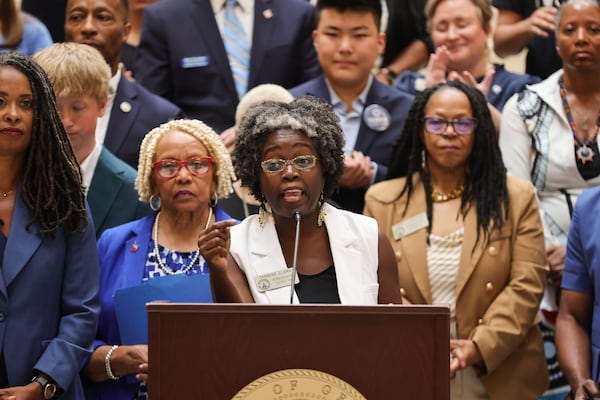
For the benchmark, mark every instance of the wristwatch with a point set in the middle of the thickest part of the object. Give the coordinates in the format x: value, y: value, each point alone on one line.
x: 49, y: 389
x: 389, y: 73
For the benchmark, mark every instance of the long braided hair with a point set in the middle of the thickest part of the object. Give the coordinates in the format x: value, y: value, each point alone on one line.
x: 51, y: 182
x: 485, y: 182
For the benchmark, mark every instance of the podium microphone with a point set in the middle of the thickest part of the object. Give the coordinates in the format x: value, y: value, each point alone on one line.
x: 297, y: 216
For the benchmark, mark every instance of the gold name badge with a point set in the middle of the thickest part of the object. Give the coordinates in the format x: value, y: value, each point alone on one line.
x: 298, y: 384
x: 275, y: 280
x: 409, y: 226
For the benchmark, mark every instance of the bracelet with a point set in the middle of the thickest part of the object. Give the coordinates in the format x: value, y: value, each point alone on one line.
x: 107, y: 363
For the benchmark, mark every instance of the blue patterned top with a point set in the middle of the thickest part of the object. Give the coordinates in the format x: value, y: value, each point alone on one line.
x: 176, y: 260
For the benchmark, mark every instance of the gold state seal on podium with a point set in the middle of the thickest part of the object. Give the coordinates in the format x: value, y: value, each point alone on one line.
x: 298, y: 384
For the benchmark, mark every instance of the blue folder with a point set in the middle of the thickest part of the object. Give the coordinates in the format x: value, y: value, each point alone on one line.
x: 130, y: 303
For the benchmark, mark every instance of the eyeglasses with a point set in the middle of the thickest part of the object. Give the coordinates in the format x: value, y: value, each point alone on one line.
x: 197, y: 165
x: 301, y: 163
x: 462, y: 126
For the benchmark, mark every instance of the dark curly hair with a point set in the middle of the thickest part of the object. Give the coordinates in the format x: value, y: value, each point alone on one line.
x: 310, y: 115
x: 485, y: 184
x: 51, y: 182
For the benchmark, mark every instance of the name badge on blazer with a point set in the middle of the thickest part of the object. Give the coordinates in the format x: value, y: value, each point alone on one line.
x: 410, y: 226
x: 275, y: 280
x: 195, y: 62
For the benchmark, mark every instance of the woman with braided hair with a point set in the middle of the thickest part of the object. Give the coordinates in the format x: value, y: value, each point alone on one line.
x: 466, y: 235
x: 183, y: 170
x: 48, y: 261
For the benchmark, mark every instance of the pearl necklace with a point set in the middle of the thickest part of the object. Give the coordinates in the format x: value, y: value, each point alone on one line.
x: 439, y: 197
x: 162, y: 266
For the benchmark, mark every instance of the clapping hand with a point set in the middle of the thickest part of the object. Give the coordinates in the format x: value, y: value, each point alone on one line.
x: 437, y: 67
x: 468, y: 79
x: 358, y: 171
x: 541, y: 21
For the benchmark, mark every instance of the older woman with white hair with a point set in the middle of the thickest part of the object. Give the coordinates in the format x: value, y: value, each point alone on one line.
x: 183, y: 170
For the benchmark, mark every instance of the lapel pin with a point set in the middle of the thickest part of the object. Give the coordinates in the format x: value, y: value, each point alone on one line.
x: 125, y: 107
x: 134, y: 247
x: 268, y: 14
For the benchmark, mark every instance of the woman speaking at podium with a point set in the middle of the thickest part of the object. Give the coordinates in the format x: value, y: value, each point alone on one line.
x: 290, y: 156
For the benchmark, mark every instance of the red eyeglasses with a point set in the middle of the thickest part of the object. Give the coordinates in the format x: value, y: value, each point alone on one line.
x: 197, y: 165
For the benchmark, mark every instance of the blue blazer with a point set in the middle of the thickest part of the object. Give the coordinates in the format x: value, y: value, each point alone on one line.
x: 122, y: 253
x: 134, y: 113
x: 112, y: 196
x: 376, y: 144
x: 189, y: 66
x: 582, y: 263
x: 48, y: 302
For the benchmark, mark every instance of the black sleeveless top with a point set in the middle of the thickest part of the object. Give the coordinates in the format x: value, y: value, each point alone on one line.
x: 320, y: 288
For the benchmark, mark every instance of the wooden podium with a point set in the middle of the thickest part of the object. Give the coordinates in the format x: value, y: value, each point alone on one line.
x: 216, y: 351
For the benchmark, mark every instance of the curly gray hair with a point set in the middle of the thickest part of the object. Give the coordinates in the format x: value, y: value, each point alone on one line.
x: 307, y: 114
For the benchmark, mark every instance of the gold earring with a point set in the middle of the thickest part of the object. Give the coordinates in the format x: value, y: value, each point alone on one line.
x: 261, y: 217
x: 322, y: 212
x: 262, y: 211
x: 321, y: 217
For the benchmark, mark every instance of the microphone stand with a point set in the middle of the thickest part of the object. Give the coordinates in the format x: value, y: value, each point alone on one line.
x: 297, y: 216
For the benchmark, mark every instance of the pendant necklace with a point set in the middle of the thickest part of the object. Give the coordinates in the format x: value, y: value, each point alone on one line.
x: 584, y: 152
x: 165, y: 268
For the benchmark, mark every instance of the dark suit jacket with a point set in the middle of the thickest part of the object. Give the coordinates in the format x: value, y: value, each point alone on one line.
x: 135, y: 112
x: 112, y: 197
x: 48, y: 302
x: 375, y: 144
x: 182, y: 57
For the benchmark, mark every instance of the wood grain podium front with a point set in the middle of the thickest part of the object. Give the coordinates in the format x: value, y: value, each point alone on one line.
x: 218, y: 351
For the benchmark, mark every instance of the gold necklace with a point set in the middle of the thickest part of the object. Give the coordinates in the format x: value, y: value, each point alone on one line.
x: 439, y: 197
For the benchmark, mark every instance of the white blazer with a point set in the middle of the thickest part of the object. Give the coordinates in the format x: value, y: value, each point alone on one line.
x: 354, y: 245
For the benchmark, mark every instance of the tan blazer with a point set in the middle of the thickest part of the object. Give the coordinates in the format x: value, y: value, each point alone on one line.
x: 500, y: 283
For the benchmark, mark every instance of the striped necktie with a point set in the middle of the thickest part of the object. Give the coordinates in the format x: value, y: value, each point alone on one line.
x: 237, y: 47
